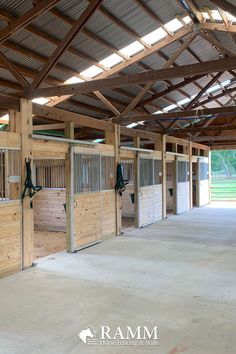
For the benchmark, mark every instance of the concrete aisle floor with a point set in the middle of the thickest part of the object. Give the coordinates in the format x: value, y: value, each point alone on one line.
x: 178, y: 274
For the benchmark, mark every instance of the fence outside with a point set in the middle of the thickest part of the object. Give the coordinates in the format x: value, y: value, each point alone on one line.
x: 223, y: 188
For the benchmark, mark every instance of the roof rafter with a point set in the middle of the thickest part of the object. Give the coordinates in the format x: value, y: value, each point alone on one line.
x: 139, y: 56
x: 26, y: 18
x: 203, y: 90
x: 11, y: 67
x: 168, y: 64
x: 76, y: 28
x: 173, y: 115
x: 170, y: 89
x: 224, y: 92
x: 212, y: 66
x: 220, y: 27
x: 191, y: 9
x: 226, y: 6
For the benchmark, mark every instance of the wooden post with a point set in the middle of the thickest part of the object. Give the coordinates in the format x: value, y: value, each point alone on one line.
x: 117, y: 197
x: 14, y: 127
x: 198, y: 183
x: 175, y: 185
x: 69, y: 179
x: 190, y: 176
x: 27, y: 211
x: 136, y: 182
x: 110, y: 137
x: 209, y: 169
x: 69, y: 131
x: 14, y: 121
x: 163, y: 150
x: 69, y: 174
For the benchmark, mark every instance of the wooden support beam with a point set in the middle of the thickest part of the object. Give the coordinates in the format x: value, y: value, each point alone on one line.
x: 226, y: 6
x: 136, y: 182
x: 190, y: 7
x: 118, y: 204
x: 107, y: 103
x: 138, y: 57
x: 66, y: 116
x: 76, y: 28
x: 231, y: 137
x: 27, y: 211
x: 69, y: 131
x: 224, y: 92
x: 202, y: 91
x: 14, y: 121
x: 26, y: 18
x: 163, y: 150
x: 203, y: 129
x: 69, y: 178
x: 49, y: 126
x: 13, y: 70
x: 82, y: 120
x: 212, y: 66
x: 170, y: 89
x: 220, y: 27
x: 211, y: 39
x: 9, y: 102
x: 168, y: 64
x: 172, y: 115
x: 190, y: 176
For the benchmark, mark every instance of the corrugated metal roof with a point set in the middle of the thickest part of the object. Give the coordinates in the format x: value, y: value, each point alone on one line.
x: 16, y: 7
x: 21, y: 59
x: 131, y: 15
x: 165, y: 10
x: 109, y: 31
x: 72, y: 8
x: 51, y: 24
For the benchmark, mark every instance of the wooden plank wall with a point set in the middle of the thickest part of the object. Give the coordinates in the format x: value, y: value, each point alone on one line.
x: 49, y: 212
x: 45, y: 149
x: 94, y: 217
x: 157, y: 194
x: 108, y: 214
x: 146, y: 206
x: 183, y: 199
x: 10, y: 238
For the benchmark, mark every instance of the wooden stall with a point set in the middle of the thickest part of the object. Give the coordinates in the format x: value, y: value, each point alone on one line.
x: 48, y: 171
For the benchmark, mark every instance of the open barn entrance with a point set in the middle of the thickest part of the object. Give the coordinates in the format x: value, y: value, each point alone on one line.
x: 223, y: 176
x: 128, y: 198
x: 49, y: 207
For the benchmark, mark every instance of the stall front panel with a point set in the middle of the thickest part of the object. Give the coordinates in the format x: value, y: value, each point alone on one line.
x: 183, y: 187
x: 10, y: 210
x: 94, y: 196
x: 203, y: 181
x: 150, y: 190
x: 49, y: 203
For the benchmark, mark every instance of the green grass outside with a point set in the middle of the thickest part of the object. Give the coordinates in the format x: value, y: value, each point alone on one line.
x: 223, y: 189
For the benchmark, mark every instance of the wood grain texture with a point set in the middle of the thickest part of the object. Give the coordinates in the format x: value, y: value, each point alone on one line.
x: 10, y: 238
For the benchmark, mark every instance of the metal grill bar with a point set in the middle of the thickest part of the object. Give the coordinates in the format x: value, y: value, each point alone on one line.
x: 50, y: 173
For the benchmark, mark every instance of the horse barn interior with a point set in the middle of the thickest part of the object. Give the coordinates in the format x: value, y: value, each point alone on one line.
x: 109, y: 112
